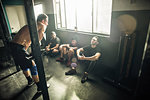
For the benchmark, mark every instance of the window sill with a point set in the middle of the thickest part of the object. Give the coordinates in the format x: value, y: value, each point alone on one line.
x: 86, y: 33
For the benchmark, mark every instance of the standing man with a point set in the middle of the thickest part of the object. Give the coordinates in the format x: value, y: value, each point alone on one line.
x: 19, y: 46
x: 53, y: 46
x: 89, y: 53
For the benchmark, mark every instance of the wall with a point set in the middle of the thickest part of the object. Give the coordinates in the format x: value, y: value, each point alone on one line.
x: 16, y: 16
x: 129, y: 5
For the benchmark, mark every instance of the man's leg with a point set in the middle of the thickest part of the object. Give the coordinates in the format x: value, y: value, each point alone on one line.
x: 54, y: 52
x: 35, y: 76
x: 62, y: 52
x: 70, y: 55
x: 90, y: 67
x: 26, y: 72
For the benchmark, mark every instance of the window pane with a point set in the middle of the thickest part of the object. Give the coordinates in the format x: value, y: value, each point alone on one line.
x: 84, y: 15
x: 102, y: 16
x: 62, y: 8
x: 78, y: 13
x: 58, y: 26
x: 38, y: 10
x: 70, y: 13
x: 57, y: 13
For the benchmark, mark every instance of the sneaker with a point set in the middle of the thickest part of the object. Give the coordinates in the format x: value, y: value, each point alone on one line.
x: 60, y: 59
x: 84, y: 78
x: 68, y: 63
x: 71, y: 72
x: 48, y: 85
x: 30, y: 83
x: 43, y: 50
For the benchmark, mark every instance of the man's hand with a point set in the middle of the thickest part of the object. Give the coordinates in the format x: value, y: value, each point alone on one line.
x: 47, y: 48
x: 51, y: 48
x: 81, y: 57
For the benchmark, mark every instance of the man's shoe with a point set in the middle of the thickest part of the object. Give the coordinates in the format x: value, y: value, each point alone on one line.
x: 30, y: 83
x: 43, y: 50
x: 39, y: 90
x: 60, y: 59
x: 48, y: 85
x: 71, y: 72
x: 84, y: 78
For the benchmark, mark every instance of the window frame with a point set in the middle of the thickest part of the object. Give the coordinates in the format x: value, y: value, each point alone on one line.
x: 75, y: 29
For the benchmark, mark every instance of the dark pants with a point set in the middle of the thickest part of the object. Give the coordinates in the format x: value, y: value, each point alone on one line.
x: 91, y: 66
x: 20, y: 56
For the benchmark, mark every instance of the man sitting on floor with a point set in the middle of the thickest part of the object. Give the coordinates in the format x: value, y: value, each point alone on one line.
x: 89, y: 53
x: 53, y: 46
x: 68, y: 50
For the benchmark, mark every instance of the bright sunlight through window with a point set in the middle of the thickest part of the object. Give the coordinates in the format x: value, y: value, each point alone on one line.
x: 92, y: 16
x: 38, y: 10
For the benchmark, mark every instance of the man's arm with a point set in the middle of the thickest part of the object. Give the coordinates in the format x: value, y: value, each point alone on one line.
x: 92, y: 58
x: 65, y: 45
x: 74, y: 48
x: 57, y: 45
x: 41, y: 30
x: 47, y: 47
x: 78, y: 53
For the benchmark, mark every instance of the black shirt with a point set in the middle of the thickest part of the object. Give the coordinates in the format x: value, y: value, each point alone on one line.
x: 73, y: 45
x: 54, y: 42
x: 89, y: 51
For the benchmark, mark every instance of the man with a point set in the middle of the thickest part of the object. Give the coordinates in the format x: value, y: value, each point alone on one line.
x: 68, y: 50
x: 89, y: 53
x: 53, y: 46
x: 21, y: 43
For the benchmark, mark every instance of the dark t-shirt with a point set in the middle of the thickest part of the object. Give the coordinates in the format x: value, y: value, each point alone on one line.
x: 54, y: 42
x: 89, y: 51
x: 73, y: 45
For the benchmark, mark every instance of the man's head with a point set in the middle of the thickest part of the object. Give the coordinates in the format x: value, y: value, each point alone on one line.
x: 94, y: 40
x: 53, y: 34
x: 74, y: 42
x: 43, y: 18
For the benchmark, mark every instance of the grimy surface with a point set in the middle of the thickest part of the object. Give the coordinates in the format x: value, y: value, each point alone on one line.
x: 13, y: 85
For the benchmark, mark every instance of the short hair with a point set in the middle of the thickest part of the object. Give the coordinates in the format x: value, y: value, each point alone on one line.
x: 41, y: 17
x: 53, y: 32
x: 97, y: 38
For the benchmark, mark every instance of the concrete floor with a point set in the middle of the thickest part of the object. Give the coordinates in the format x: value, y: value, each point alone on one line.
x: 13, y: 85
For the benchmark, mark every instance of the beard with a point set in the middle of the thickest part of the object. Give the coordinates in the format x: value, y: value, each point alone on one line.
x: 93, y: 43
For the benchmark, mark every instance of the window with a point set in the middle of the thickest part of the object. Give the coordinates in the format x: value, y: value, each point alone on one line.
x: 93, y: 16
x: 38, y: 10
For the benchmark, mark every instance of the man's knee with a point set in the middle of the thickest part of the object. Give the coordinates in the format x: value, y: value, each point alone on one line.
x: 33, y: 63
x: 71, y: 51
x: 55, y: 51
x: 26, y: 69
x: 33, y: 70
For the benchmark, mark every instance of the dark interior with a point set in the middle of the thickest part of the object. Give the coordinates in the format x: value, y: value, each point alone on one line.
x: 118, y: 75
